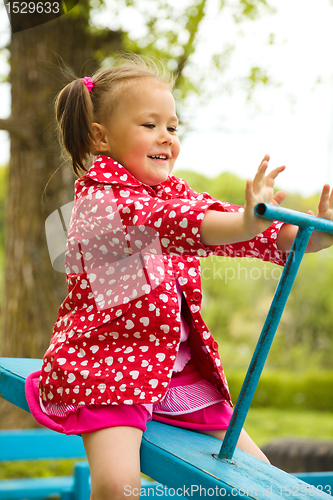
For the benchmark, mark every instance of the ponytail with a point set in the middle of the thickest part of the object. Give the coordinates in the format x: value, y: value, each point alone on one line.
x: 74, y: 113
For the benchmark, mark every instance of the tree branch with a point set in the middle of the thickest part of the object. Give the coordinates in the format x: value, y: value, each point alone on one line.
x: 5, y: 124
x: 106, y: 40
x: 17, y: 129
x: 192, y: 26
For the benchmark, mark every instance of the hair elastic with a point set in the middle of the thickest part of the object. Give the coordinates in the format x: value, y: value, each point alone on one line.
x: 88, y: 83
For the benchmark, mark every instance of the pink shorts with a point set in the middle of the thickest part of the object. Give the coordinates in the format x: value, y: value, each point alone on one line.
x: 214, y: 417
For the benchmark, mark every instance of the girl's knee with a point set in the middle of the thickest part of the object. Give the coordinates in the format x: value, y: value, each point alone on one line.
x: 116, y: 488
x: 245, y: 443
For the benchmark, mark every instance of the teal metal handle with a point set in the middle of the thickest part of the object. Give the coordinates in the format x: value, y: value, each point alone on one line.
x: 307, y: 224
x: 300, y: 219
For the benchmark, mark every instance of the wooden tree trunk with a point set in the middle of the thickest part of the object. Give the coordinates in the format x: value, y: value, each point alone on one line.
x: 33, y: 289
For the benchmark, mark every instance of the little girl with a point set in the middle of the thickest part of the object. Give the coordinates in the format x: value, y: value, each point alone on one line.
x: 129, y: 343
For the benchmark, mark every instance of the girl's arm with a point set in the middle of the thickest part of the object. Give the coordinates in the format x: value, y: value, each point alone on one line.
x: 222, y: 228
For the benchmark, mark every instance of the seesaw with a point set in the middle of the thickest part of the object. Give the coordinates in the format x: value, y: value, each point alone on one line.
x: 196, y: 465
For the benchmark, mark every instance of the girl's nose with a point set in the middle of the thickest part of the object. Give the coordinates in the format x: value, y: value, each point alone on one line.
x: 166, y: 138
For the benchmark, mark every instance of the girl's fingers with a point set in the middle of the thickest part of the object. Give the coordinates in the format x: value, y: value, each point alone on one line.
x: 266, y: 158
x: 279, y: 197
x: 275, y: 172
x: 259, y: 178
x: 249, y: 191
x: 329, y: 194
x: 326, y: 200
x: 272, y: 174
x: 262, y: 169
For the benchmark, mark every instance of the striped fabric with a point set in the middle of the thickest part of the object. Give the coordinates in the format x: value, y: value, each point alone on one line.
x: 178, y: 401
x: 57, y: 410
x: 188, y: 398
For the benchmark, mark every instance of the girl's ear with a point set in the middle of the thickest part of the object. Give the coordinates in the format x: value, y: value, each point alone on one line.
x: 100, y: 140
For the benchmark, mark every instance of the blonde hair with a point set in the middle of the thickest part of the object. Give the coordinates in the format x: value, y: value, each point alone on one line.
x: 77, y: 109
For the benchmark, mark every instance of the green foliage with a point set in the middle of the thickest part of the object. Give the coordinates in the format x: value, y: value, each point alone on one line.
x: 170, y: 36
x: 256, y: 76
x: 198, y: 182
x: 39, y: 468
x: 267, y: 424
x: 3, y: 183
x: 307, y: 391
x: 250, y: 8
x: 81, y: 10
x: 305, y: 333
x: 227, y: 186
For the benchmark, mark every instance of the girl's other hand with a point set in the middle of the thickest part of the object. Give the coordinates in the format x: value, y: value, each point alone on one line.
x: 319, y: 241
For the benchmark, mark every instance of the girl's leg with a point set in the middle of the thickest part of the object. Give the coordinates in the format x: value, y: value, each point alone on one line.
x: 114, y: 460
x: 245, y: 443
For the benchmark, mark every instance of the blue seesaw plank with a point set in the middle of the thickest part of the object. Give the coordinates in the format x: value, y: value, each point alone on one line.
x: 39, y: 444
x: 14, y: 489
x: 322, y: 480
x: 13, y: 372
x: 186, y: 461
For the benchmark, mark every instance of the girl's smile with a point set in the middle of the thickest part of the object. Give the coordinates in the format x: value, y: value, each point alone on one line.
x: 141, y: 134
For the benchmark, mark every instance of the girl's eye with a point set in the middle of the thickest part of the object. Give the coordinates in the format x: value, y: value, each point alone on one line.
x: 173, y: 130
x: 149, y: 125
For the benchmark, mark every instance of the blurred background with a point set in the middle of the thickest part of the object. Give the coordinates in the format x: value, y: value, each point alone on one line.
x: 253, y: 77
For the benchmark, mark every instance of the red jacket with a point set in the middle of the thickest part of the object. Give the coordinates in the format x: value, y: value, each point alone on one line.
x: 118, y: 331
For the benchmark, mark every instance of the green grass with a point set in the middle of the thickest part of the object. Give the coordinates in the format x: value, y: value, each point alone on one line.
x: 37, y: 468
x: 267, y: 424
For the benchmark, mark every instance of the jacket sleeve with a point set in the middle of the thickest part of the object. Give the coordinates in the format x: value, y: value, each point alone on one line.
x: 263, y: 246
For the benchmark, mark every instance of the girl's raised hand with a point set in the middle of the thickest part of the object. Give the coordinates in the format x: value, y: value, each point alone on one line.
x: 223, y: 228
x: 261, y: 190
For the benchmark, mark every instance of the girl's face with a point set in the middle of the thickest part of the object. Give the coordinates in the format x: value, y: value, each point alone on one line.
x: 141, y: 135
